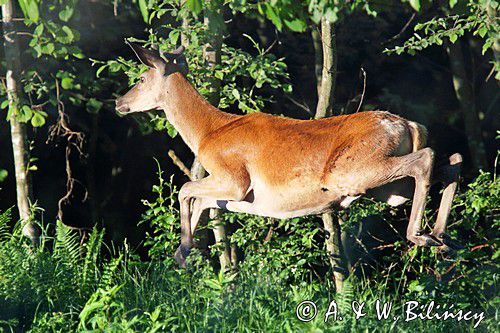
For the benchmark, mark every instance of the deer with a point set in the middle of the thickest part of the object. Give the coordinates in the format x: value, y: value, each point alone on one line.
x: 284, y: 168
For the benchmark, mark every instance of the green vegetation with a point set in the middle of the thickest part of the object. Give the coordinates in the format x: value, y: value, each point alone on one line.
x: 70, y: 283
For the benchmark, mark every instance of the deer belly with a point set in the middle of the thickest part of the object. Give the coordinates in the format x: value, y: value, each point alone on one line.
x: 283, y: 203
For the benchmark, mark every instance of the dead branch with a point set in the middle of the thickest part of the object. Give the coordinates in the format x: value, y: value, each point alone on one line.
x: 73, y: 140
x: 177, y: 161
x: 364, y: 89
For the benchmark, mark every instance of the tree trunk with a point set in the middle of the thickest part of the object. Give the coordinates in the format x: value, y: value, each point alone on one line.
x: 465, y: 96
x: 328, y: 70
x: 18, y: 130
x: 326, y: 88
x: 214, y: 21
x: 318, y: 56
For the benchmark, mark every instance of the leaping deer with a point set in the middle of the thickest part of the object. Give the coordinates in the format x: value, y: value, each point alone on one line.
x: 283, y: 168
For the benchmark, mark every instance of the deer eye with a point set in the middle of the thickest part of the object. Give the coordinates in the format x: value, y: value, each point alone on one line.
x: 142, y: 78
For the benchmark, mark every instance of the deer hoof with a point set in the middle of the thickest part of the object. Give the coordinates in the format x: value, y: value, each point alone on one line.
x: 425, y: 240
x: 448, y: 243
x: 181, y: 254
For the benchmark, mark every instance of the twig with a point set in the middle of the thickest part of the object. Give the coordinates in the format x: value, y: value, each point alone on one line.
x: 364, y: 89
x: 272, y: 44
x: 176, y: 160
x: 491, y: 73
x: 401, y: 31
x: 269, y: 233
x: 303, y: 106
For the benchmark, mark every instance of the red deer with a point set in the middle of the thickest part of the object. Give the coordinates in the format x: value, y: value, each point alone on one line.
x: 283, y: 168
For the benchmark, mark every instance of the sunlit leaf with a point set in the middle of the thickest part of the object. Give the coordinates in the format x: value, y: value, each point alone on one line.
x: 415, y: 4
x: 143, y: 7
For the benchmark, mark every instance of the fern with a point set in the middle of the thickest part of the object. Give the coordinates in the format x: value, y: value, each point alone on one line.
x: 108, y: 274
x: 5, y: 219
x: 67, y: 246
x: 92, y: 255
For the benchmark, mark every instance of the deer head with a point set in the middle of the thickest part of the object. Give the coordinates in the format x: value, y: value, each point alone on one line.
x: 149, y: 92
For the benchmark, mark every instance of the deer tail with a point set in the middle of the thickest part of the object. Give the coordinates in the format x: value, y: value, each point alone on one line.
x: 418, y: 135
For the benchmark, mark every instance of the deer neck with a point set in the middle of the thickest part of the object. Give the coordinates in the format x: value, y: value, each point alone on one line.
x: 191, y: 115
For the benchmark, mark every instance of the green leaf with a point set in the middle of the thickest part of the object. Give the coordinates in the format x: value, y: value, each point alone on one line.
x: 4, y: 104
x: 236, y: 93
x: 195, y: 6
x: 415, y: 4
x: 172, y: 132
x: 39, y: 30
x: 100, y: 69
x: 296, y: 25
x: 69, y: 34
x: 487, y: 45
x: 301, y: 262
x: 93, y: 105
x: 143, y: 7
x: 66, y: 13
x: 67, y: 83
x: 219, y: 75
x: 3, y: 2
x: 48, y: 48
x: 452, y: 3
x: 79, y: 55
x: 482, y: 31
x: 273, y: 16
x: 25, y: 114
x: 3, y: 173
x: 37, y: 120
x: 453, y: 38
x: 32, y: 10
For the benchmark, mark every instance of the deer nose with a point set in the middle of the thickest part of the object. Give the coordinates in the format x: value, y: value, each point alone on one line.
x: 120, y: 107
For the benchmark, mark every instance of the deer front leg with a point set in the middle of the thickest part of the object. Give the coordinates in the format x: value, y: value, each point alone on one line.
x: 206, y: 190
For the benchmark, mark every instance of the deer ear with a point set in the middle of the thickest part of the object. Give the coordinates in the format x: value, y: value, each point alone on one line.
x: 178, y: 58
x: 171, y: 56
x: 148, y: 57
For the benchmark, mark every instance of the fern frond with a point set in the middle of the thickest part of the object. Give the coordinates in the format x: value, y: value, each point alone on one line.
x: 108, y: 274
x: 5, y: 219
x: 67, y: 246
x: 92, y: 257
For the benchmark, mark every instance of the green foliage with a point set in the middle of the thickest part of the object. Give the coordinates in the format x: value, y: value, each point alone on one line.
x: 37, y: 283
x: 68, y: 287
x: 477, y: 18
x: 3, y: 175
x: 163, y: 217
x: 52, y: 41
x: 247, y: 81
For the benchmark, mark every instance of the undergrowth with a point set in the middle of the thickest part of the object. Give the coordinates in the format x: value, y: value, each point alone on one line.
x: 73, y: 283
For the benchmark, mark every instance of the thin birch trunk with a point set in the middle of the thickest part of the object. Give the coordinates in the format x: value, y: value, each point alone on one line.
x: 326, y: 88
x: 214, y: 21
x: 17, y: 129
x: 328, y: 70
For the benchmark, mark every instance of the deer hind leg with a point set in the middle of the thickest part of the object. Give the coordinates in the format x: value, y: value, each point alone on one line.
x: 449, y: 175
x: 418, y: 165
x: 210, y: 188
